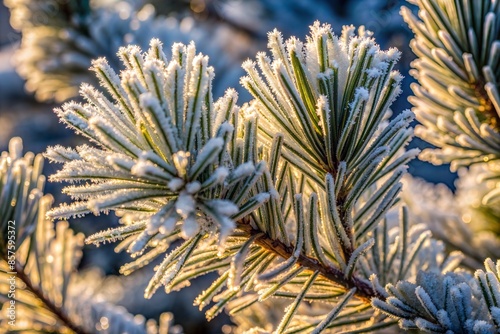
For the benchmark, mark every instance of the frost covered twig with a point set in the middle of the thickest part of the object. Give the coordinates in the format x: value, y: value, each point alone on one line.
x: 292, y: 187
x: 457, y: 99
x: 46, y: 293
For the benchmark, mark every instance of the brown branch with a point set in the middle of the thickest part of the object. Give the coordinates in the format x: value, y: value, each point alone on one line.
x: 58, y: 312
x: 364, y: 291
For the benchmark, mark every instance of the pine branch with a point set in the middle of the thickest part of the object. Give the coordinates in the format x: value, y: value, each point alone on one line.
x: 42, y: 258
x: 293, y: 196
x: 457, y: 99
x: 455, y: 302
x: 299, y: 217
x: 57, y: 311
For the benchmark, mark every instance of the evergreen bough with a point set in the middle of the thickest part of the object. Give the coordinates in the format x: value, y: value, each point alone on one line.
x: 39, y: 288
x: 283, y: 197
x: 293, y: 199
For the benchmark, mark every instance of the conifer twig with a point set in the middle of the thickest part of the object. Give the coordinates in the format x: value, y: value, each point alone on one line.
x: 58, y: 312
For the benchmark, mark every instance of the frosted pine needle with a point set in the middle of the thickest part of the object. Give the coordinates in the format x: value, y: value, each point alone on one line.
x: 162, y: 155
x: 456, y: 98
